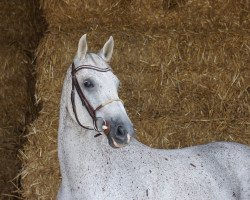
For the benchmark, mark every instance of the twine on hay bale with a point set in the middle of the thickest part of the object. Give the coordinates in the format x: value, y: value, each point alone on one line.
x: 184, y: 79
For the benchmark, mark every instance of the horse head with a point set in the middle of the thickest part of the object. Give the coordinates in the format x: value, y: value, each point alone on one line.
x: 93, y: 102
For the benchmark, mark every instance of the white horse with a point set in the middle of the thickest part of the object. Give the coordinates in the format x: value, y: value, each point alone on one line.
x: 115, y: 166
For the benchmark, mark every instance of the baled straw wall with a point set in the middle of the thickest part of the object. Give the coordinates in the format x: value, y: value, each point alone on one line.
x: 14, y: 101
x: 9, y: 164
x: 185, y: 78
x: 19, y: 35
x: 20, y: 23
x: 153, y: 14
x: 69, y: 14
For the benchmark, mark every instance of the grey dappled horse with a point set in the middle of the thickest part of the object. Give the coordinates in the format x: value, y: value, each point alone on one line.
x: 115, y: 166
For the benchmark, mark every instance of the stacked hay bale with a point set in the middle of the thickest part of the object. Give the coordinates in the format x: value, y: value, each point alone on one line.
x: 14, y: 103
x: 19, y: 36
x: 183, y: 67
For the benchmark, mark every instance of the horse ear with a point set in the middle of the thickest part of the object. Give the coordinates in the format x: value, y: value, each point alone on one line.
x: 107, y: 50
x: 82, y: 47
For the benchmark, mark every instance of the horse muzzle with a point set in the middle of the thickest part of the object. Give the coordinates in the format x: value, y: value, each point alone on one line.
x: 120, y: 134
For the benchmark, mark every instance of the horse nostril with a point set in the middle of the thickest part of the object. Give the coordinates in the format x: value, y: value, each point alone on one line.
x: 121, y: 132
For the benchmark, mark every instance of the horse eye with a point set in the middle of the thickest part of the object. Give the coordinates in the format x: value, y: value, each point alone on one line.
x: 88, y: 84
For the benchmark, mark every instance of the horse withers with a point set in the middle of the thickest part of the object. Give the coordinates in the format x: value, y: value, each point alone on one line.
x: 101, y: 160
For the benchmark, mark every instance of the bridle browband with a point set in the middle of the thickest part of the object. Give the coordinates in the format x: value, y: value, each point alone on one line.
x: 85, y: 102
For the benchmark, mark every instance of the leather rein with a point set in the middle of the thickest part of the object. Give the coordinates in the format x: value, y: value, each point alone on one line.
x: 85, y: 102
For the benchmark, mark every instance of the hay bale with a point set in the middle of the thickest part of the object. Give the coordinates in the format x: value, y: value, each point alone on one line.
x: 14, y: 97
x: 10, y: 164
x: 15, y: 107
x: 19, y: 23
x: 180, y: 90
x: 19, y: 35
x: 155, y: 15
x: 66, y: 15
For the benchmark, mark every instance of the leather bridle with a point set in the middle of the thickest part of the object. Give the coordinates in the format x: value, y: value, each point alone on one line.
x: 92, y: 111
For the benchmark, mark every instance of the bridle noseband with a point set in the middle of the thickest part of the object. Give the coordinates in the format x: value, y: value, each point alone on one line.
x: 85, y: 102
